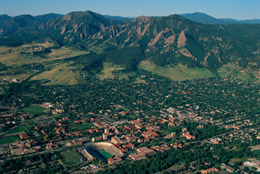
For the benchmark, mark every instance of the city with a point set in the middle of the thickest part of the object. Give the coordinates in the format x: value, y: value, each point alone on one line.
x: 162, y: 117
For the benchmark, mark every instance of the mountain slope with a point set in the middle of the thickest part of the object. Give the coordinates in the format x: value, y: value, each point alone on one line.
x: 167, y: 44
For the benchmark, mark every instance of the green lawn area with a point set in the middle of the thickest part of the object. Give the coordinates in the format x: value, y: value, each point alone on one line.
x: 257, y: 152
x: 83, y: 127
x: 237, y: 160
x: 105, y: 154
x: 8, y: 140
x: 16, y: 130
x: 71, y: 157
x: 35, y: 109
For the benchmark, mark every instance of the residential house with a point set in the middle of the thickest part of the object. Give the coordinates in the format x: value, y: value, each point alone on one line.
x: 114, y: 159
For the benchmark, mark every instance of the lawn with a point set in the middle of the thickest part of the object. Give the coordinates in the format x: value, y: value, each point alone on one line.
x: 8, y: 140
x: 16, y: 130
x: 71, y: 157
x: 105, y: 154
x: 233, y: 161
x: 257, y: 152
x: 83, y: 127
x: 35, y: 109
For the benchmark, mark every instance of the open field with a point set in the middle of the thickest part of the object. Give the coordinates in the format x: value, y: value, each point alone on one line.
x: 177, y: 73
x: 64, y: 52
x: 111, y: 71
x: 27, y: 54
x: 257, y: 152
x: 16, y: 59
x: 71, y: 157
x: 237, y: 160
x: 19, y: 77
x: 228, y: 69
x: 233, y: 69
x: 83, y: 127
x: 35, y: 109
x: 8, y: 140
x: 63, y: 74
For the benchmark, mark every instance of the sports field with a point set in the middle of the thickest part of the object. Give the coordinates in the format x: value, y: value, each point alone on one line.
x: 105, y: 154
x: 71, y: 157
x: 35, y: 109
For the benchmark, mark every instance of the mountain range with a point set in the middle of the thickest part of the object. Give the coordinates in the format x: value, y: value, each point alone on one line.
x: 200, y: 18
x: 207, y: 19
x: 163, y: 45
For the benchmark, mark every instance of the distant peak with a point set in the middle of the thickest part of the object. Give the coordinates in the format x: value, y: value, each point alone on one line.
x: 78, y: 14
x: 142, y: 19
x: 4, y: 15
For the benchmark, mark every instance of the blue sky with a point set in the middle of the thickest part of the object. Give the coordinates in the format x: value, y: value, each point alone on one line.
x: 237, y: 9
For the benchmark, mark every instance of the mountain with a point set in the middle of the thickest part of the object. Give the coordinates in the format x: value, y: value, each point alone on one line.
x: 163, y: 45
x: 202, y: 18
x: 3, y: 18
x: 47, y: 17
x: 119, y: 18
x: 206, y: 19
x: 24, y: 23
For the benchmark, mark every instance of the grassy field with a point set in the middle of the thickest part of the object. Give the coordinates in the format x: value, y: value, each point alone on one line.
x: 229, y: 69
x: 177, y: 73
x: 64, y: 52
x: 105, y: 154
x: 257, y: 152
x: 35, y: 109
x: 62, y: 74
x: 24, y: 54
x: 111, y: 71
x: 17, y: 130
x: 237, y: 160
x: 83, y: 127
x: 18, y: 74
x: 233, y: 69
x: 8, y: 140
x: 71, y: 157
x: 58, y: 72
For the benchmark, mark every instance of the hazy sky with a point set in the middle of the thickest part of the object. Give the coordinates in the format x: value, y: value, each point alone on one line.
x: 237, y: 9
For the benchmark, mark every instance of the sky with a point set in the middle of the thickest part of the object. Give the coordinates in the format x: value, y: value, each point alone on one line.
x: 236, y: 9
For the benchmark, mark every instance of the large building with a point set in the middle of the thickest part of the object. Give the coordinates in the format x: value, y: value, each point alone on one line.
x: 105, y: 136
x: 97, y: 138
x: 137, y: 156
x: 145, y: 150
x: 94, y: 151
x: 211, y: 170
x: 116, y: 140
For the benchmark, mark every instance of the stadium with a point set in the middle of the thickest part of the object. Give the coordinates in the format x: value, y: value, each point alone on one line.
x: 102, y: 151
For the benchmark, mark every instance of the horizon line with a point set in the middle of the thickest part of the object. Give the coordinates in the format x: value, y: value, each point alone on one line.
x: 129, y: 16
